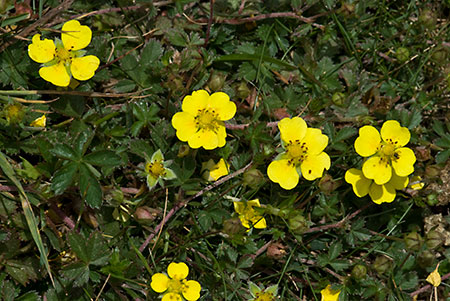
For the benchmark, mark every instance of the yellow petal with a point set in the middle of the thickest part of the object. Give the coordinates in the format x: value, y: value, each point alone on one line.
x: 56, y: 74
x: 315, y: 141
x: 282, y: 173
x: 259, y: 222
x: 192, y: 290
x: 239, y: 207
x: 359, y: 182
x: 398, y: 182
x: 172, y: 297
x: 222, y: 106
x: 382, y: 193
x: 329, y: 294
x: 254, y: 203
x: 184, y: 123
x: 75, y: 36
x: 219, y: 170
x: 394, y: 133
x: 314, y: 165
x: 378, y: 169
x: 368, y: 141
x: 83, y: 68
x: 206, y: 138
x: 221, y: 135
x: 178, y: 270
x: 41, y: 51
x: 416, y: 183
x: 195, y: 102
x: 434, y: 278
x: 292, y: 129
x: 160, y: 282
x: 404, y: 162
x: 39, y: 122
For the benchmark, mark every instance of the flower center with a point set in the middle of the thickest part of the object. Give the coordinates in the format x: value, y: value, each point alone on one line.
x: 206, y: 119
x: 296, y: 151
x: 388, y: 149
x: 63, y: 55
x: 175, y: 286
x: 156, y: 169
x: 264, y: 296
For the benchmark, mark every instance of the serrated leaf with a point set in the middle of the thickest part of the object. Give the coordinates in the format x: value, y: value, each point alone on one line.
x: 64, y: 151
x: 102, y: 158
x: 151, y: 52
x: 335, y: 250
x: 78, y: 245
x: 141, y: 148
x: 90, y: 188
x: 64, y: 177
x: 98, y: 251
x: 22, y: 270
x: 345, y: 133
x: 443, y: 156
x: 82, y: 142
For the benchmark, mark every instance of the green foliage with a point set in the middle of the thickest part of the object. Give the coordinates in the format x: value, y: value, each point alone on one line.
x: 74, y: 206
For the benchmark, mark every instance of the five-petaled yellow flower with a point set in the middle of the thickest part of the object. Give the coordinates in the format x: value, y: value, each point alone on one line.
x: 378, y: 193
x: 304, y: 154
x: 156, y: 170
x: 248, y: 216
x: 385, y: 152
x: 212, y: 171
x: 201, y: 123
x: 329, y: 294
x: 263, y: 294
x: 176, y: 287
x: 65, y: 59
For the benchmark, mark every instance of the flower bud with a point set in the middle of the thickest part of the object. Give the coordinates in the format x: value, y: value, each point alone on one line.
x: 381, y: 264
x: 327, y: 184
x: 413, y: 241
x: 439, y: 55
x: 242, y: 90
x: 232, y: 226
x: 432, y: 171
x: 146, y: 214
x: 276, y: 250
x: 183, y: 151
x: 434, y: 239
x: 253, y: 178
x: 359, y: 272
x: 432, y: 199
x: 428, y: 18
x: 402, y: 54
x: 422, y: 153
x: 298, y: 224
x: 425, y: 259
x: 338, y: 99
x: 347, y: 9
x: 216, y: 81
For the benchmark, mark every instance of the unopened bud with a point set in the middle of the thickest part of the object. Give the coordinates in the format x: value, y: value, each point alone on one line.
x: 439, y: 55
x: 232, y: 226
x: 402, y: 54
x: 327, y: 184
x: 432, y: 199
x: 242, y: 90
x: 381, y: 264
x: 428, y: 18
x: 434, y: 239
x: 413, y: 241
x: 298, y: 224
x: 216, y: 81
x: 338, y: 99
x: 253, y: 178
x: 432, y: 171
x: 359, y: 272
x: 425, y: 259
x: 146, y: 214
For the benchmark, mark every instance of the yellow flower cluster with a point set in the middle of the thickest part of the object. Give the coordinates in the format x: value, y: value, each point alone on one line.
x: 388, y: 162
x: 65, y: 58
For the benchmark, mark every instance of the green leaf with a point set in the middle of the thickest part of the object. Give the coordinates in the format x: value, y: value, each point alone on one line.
x: 82, y: 142
x: 141, y: 148
x: 102, y: 158
x: 29, y: 215
x: 345, y: 133
x: 151, y: 52
x: 443, y: 156
x: 64, y: 151
x: 335, y: 250
x: 77, y: 272
x: 64, y: 177
x: 78, y: 245
x: 22, y: 270
x: 89, y: 187
x: 98, y: 251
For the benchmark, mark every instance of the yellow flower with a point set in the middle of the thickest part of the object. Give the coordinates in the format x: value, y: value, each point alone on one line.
x: 65, y: 59
x: 304, y: 154
x: 329, y: 294
x: 156, y: 170
x: 385, y: 152
x: 248, y: 216
x: 176, y: 287
x: 261, y: 294
x: 434, y: 278
x: 378, y: 193
x: 212, y: 171
x: 201, y: 123
x: 39, y: 122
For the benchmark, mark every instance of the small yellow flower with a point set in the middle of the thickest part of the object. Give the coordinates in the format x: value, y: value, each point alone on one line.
x: 156, y: 170
x: 385, y: 152
x: 248, y: 216
x: 65, y: 59
x: 39, y: 122
x: 304, y: 154
x: 212, y: 171
x: 416, y: 183
x: 261, y: 294
x: 176, y: 287
x: 329, y: 294
x: 434, y: 278
x: 201, y: 123
x: 378, y: 193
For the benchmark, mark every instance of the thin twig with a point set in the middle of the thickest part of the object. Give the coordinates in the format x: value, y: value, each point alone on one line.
x: 67, y: 220
x: 103, y: 287
x: 119, y: 58
x: 340, y: 223
x: 163, y: 220
x: 78, y: 93
x: 185, y: 202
